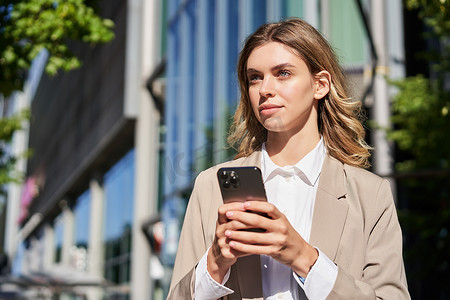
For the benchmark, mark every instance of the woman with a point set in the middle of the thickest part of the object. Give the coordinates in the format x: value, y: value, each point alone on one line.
x: 332, y: 230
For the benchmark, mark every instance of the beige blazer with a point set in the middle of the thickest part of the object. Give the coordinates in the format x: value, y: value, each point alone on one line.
x: 354, y: 223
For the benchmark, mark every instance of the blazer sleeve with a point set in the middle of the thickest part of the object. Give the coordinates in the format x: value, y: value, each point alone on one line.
x: 192, y: 243
x: 383, y: 274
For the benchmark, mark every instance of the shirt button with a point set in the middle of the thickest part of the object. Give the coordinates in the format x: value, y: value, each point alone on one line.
x: 279, y: 295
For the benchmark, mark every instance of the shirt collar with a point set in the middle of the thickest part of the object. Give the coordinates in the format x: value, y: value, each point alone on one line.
x: 308, y: 168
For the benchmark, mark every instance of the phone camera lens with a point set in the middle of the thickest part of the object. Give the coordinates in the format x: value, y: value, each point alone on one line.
x: 226, y: 184
x: 234, y: 179
x: 224, y: 174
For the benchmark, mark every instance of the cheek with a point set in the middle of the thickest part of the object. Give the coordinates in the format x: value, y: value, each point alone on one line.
x: 298, y: 93
x: 254, y: 96
x: 289, y: 93
x: 254, y: 101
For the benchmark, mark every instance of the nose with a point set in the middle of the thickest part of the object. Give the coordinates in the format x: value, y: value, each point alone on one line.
x: 267, y: 88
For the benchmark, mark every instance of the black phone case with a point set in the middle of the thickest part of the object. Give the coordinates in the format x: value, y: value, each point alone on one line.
x: 239, y: 183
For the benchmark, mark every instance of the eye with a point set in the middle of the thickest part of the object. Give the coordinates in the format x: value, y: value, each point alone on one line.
x: 252, y: 78
x: 283, y: 73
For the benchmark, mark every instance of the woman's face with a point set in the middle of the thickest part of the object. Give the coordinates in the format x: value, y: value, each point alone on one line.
x: 282, y: 91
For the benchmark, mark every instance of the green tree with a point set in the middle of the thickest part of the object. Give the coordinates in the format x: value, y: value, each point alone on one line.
x: 29, y: 26
x: 421, y: 115
x: 8, y: 126
x: 421, y: 124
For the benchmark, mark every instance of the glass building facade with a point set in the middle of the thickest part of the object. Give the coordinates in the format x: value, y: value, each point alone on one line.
x: 116, y: 219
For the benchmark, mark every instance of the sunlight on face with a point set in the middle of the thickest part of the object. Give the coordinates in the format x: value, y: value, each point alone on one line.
x: 281, y: 89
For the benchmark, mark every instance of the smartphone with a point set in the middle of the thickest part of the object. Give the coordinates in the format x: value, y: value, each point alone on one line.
x: 237, y: 184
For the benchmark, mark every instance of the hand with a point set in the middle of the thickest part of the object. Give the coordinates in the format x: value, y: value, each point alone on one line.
x: 280, y: 241
x: 220, y: 256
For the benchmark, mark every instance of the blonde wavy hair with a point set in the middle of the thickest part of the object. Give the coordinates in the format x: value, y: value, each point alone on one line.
x: 339, y: 118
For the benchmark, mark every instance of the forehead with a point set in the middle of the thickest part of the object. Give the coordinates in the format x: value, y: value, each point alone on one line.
x: 273, y: 53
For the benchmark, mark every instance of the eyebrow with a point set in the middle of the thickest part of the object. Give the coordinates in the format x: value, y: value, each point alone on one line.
x: 275, y: 68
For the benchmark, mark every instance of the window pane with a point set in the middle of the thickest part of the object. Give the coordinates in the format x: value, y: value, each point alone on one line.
x: 119, y: 197
x: 82, y: 213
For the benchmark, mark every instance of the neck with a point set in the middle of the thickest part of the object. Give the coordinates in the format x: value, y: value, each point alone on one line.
x: 285, y: 149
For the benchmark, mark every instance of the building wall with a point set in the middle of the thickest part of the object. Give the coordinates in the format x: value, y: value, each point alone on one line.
x: 75, y: 115
x: 93, y: 153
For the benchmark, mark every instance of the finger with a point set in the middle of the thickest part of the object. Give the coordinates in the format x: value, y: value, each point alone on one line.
x: 250, y: 219
x: 221, y: 248
x: 251, y: 237
x: 251, y: 248
x: 252, y: 198
x: 233, y: 252
x: 231, y: 225
x: 232, y: 206
x: 222, y: 251
x: 263, y: 207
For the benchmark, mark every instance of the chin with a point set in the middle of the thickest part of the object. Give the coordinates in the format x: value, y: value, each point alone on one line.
x: 274, y: 127
x: 273, y: 123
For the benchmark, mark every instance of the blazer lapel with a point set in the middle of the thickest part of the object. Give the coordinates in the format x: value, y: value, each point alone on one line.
x: 330, y: 209
x: 253, y: 159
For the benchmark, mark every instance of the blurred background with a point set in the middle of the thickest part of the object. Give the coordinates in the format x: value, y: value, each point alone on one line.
x: 111, y: 108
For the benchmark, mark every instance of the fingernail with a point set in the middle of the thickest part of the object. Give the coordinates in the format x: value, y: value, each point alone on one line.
x: 229, y: 214
x: 232, y: 244
x: 247, y: 204
x: 228, y: 232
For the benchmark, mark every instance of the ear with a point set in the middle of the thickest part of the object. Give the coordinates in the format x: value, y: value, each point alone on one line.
x: 322, y: 81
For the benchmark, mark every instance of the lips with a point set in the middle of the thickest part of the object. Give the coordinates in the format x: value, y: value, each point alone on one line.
x: 268, y: 108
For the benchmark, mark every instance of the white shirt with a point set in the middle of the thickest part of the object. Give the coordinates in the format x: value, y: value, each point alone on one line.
x: 292, y: 189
